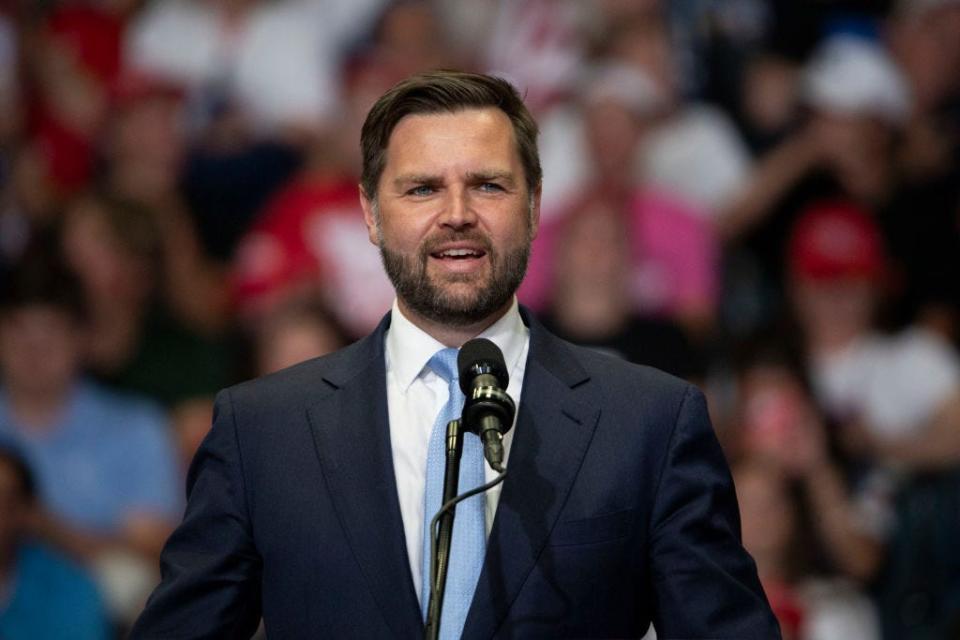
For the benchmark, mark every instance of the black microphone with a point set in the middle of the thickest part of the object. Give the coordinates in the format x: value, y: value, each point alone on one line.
x: 488, y: 411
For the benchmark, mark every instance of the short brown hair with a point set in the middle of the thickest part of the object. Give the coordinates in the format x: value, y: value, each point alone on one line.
x: 40, y: 278
x: 445, y: 91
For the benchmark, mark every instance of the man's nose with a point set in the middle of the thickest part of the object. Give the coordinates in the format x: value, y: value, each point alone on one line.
x: 458, y: 211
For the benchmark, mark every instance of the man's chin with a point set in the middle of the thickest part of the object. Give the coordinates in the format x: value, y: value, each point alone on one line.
x: 458, y: 309
x: 441, y: 277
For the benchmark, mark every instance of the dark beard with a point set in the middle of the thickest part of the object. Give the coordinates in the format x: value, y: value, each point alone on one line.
x: 424, y: 297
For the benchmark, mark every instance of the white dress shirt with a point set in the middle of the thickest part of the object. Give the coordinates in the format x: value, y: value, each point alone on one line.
x: 415, y: 395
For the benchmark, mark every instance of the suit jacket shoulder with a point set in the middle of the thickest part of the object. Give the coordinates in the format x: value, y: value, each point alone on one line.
x: 619, y: 500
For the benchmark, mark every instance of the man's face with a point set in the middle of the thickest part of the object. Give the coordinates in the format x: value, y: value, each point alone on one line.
x: 453, y: 217
x: 40, y: 349
x: 834, y: 311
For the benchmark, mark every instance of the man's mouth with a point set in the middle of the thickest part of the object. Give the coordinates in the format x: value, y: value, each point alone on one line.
x: 459, y: 257
x: 458, y: 254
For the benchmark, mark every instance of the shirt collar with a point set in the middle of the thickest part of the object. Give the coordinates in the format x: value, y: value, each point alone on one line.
x: 409, y: 348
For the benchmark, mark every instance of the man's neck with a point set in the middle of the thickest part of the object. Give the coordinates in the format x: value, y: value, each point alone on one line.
x: 448, y: 335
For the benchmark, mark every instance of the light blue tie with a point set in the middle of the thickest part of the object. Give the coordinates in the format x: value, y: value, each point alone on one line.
x: 469, y: 532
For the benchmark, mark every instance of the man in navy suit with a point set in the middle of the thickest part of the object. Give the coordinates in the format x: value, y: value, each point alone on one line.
x: 306, y: 498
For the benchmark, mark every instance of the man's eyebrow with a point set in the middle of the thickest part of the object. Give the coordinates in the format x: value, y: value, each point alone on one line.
x: 415, y: 178
x: 488, y: 176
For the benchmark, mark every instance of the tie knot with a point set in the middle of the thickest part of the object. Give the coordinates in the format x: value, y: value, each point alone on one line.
x: 444, y: 364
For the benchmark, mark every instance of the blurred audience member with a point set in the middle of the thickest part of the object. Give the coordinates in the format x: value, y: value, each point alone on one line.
x: 858, y: 99
x: 312, y: 238
x: 255, y: 76
x: 294, y: 332
x: 779, y: 423
x: 897, y: 401
x: 274, y: 62
x: 671, y: 270
x: 925, y: 235
x: 890, y: 389
x: 858, y: 102
x: 537, y: 45
x: 770, y: 527
x: 409, y: 37
x: 814, y: 539
x: 925, y: 39
x: 695, y: 150
x: 590, y: 302
x: 144, y: 141
x: 73, y: 67
x: 236, y: 168
x: 620, y: 105
x: 808, y: 607
x: 144, y: 151
x: 579, y: 143
x: 260, y: 78
x: 715, y: 40
x: 592, y: 143
x: 673, y: 256
x: 42, y: 593
x: 55, y: 77
x: 117, y: 250
x: 105, y: 465
x: 769, y: 102
x: 227, y: 178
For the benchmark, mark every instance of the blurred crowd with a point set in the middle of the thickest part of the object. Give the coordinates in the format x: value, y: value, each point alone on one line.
x: 761, y: 196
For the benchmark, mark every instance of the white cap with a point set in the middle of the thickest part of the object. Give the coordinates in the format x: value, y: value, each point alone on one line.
x: 849, y: 74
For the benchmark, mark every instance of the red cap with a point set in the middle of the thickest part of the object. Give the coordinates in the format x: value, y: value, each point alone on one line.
x: 836, y: 239
x: 94, y: 36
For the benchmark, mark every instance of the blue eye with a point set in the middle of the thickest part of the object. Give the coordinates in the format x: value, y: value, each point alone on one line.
x: 422, y: 190
x: 491, y: 186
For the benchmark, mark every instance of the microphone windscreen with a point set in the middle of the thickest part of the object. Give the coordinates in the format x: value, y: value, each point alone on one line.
x: 481, y: 356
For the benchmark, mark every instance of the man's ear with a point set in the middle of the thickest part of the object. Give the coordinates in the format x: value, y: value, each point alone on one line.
x: 369, y: 217
x: 535, y: 211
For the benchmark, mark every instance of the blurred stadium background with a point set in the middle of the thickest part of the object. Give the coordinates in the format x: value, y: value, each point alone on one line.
x: 761, y: 196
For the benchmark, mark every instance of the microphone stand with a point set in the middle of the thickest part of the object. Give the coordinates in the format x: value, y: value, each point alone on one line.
x: 441, y: 540
x: 440, y: 543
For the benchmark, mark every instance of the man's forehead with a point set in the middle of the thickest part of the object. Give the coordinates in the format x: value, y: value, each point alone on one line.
x: 423, y: 139
x: 487, y: 123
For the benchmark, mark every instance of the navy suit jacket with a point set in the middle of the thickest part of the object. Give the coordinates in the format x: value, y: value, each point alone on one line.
x: 618, y: 510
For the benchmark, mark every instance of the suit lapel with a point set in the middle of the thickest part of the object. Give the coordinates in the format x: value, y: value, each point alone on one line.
x: 351, y: 431
x: 558, y: 414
